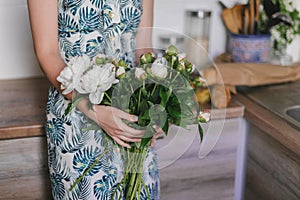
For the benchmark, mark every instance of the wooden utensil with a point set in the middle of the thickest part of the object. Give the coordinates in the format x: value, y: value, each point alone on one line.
x: 229, y: 21
x: 252, y: 16
x: 246, y: 20
x: 237, y: 12
x: 233, y: 18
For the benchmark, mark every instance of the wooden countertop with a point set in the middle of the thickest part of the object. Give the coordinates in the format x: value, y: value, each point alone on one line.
x: 22, y: 107
x: 275, y: 126
x: 23, y: 102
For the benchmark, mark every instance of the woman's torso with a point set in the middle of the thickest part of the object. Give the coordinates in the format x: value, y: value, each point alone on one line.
x: 98, y: 26
x: 92, y: 27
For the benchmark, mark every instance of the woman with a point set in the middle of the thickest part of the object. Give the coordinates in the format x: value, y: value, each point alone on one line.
x: 63, y: 29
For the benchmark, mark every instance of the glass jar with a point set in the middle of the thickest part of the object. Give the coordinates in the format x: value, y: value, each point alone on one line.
x: 197, y: 28
x: 166, y: 40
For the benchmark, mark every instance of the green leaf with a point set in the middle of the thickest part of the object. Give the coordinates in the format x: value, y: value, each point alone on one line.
x: 174, y: 111
x: 165, y: 94
x: 144, y: 105
x: 144, y: 118
x: 147, y: 137
x: 200, y: 132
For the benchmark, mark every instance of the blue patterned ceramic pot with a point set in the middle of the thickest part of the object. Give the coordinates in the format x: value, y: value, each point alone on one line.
x: 250, y: 48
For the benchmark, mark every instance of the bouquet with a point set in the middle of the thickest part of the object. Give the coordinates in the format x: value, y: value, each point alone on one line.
x: 160, y: 91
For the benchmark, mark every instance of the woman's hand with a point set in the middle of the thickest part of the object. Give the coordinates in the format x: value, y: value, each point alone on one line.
x: 111, y: 120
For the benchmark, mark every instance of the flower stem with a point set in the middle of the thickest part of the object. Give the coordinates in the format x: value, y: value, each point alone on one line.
x: 153, y: 90
x: 139, y: 100
x: 108, y: 97
x: 175, y: 77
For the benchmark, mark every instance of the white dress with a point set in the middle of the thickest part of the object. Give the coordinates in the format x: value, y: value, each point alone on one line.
x: 91, y: 27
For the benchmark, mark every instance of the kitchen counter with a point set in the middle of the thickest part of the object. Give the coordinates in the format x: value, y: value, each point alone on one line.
x: 22, y: 107
x: 273, y: 155
x: 264, y: 107
x: 23, y: 152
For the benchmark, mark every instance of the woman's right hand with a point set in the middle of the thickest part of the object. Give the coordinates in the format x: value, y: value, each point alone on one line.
x: 111, y: 120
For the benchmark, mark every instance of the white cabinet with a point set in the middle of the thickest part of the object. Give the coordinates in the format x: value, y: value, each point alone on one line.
x: 219, y: 175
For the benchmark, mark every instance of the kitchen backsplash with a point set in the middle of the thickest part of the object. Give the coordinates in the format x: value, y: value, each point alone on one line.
x: 17, y: 54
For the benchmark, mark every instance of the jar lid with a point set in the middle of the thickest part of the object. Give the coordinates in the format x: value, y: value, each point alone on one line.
x: 198, y: 13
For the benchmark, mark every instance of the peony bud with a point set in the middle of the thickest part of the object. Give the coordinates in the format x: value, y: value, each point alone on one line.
x: 190, y: 67
x: 199, y: 82
x: 159, y: 68
x: 120, y: 72
x: 140, y: 74
x: 172, y: 50
x: 204, y: 116
x: 122, y: 63
x: 147, y: 58
x: 180, y: 67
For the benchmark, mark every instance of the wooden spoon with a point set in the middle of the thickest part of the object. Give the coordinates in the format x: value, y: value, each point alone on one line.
x: 237, y: 12
x: 230, y: 21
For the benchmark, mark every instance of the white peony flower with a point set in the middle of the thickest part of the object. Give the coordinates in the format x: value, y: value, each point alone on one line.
x: 140, y: 74
x: 89, y: 81
x: 65, y: 78
x: 96, y: 81
x: 69, y: 76
x: 159, y: 68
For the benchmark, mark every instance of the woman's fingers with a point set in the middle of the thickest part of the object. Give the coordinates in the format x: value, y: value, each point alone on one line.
x: 120, y: 142
x: 119, y: 115
x: 131, y: 131
x: 128, y: 135
x: 128, y: 139
x: 124, y: 115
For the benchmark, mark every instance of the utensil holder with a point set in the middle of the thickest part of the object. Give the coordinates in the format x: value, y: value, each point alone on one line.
x: 250, y: 48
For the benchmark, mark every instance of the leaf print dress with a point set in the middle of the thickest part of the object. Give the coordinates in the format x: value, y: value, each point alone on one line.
x: 91, y: 27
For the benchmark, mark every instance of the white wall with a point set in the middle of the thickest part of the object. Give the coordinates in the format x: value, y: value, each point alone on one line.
x: 17, y: 59
x: 170, y: 14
